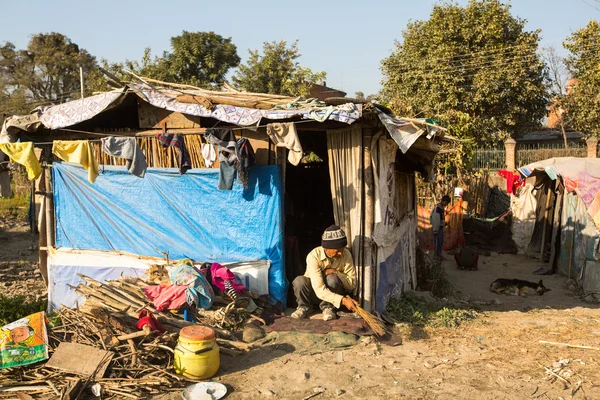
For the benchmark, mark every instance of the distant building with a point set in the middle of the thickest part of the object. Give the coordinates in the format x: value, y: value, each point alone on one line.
x: 323, y: 92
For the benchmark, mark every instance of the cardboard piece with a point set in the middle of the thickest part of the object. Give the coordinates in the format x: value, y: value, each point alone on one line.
x: 80, y: 359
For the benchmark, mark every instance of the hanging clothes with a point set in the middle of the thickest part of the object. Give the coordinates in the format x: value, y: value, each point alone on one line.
x: 209, y: 154
x: 513, y: 180
x: 77, y: 151
x: 245, y: 159
x: 176, y: 140
x: 22, y: 153
x: 285, y: 135
x: 127, y: 148
x: 226, y: 142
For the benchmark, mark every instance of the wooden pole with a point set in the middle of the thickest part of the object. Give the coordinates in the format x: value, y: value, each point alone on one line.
x: 81, y: 80
x: 368, y: 215
x: 545, y: 222
x: 49, y: 208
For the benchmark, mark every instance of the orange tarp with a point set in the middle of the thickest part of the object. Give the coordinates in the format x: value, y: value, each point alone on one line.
x: 453, y: 231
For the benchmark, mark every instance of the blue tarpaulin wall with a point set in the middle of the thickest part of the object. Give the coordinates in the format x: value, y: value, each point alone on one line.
x: 185, y: 215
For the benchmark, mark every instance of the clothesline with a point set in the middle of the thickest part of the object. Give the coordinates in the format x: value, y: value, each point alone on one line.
x: 251, y: 127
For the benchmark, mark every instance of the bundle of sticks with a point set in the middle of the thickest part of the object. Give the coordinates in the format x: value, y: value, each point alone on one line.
x: 142, y: 362
x: 141, y: 366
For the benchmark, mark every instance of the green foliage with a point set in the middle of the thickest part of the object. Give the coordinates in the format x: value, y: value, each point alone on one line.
x: 17, y: 207
x: 197, y: 58
x: 583, y: 104
x: 48, y: 70
x: 14, y: 308
x: 410, y: 311
x: 276, y: 71
x: 474, y: 69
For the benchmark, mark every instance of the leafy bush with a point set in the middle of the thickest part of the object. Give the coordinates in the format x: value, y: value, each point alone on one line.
x: 17, y: 307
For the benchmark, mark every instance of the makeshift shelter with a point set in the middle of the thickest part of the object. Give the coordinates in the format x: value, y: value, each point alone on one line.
x: 350, y: 172
x: 558, y: 215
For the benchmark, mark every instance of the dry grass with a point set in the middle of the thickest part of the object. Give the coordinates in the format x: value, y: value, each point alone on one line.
x: 374, y: 323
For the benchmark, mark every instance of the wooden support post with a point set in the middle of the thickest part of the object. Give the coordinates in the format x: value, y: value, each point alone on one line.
x: 545, y: 222
x: 368, y: 216
x: 49, y: 207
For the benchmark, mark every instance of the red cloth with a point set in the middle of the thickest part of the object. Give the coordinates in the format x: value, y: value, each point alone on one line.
x: 166, y: 297
x: 220, y: 274
x: 513, y: 180
x: 147, y: 318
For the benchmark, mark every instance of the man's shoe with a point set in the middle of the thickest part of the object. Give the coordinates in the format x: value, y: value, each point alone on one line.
x: 328, y: 314
x: 300, y: 313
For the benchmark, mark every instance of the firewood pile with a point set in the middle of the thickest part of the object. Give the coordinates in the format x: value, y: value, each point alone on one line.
x: 140, y: 364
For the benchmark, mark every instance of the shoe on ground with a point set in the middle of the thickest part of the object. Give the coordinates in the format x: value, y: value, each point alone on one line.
x: 329, y: 314
x: 300, y: 313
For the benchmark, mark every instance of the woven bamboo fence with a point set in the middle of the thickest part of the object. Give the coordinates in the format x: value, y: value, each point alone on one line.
x: 158, y: 156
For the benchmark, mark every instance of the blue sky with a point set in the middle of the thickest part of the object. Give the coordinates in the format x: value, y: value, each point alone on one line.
x: 347, y: 39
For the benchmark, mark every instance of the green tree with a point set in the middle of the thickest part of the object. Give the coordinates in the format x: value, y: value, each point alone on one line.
x: 582, y: 104
x: 47, y: 71
x: 196, y: 58
x: 474, y: 69
x: 276, y: 71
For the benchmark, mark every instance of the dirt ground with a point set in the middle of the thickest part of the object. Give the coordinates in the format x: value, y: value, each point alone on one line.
x: 19, y: 273
x: 498, y: 356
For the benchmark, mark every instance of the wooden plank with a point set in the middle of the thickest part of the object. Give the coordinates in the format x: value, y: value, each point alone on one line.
x: 152, y: 117
x: 80, y: 359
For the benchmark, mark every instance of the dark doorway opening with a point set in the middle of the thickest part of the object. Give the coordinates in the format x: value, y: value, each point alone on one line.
x: 308, y: 204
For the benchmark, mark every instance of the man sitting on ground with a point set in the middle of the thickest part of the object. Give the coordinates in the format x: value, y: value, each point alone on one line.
x: 330, y: 277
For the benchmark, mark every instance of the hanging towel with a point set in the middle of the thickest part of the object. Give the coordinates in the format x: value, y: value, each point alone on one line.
x: 128, y: 149
x: 22, y: 153
x: 245, y: 159
x: 77, y: 151
x: 176, y: 140
x: 209, y: 154
x: 284, y: 135
x: 225, y: 140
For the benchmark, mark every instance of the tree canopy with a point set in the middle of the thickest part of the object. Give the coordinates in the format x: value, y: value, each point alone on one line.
x: 474, y: 69
x: 582, y: 104
x: 47, y: 71
x: 276, y: 71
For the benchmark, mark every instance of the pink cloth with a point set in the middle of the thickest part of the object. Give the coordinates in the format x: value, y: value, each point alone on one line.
x: 220, y: 274
x: 166, y: 297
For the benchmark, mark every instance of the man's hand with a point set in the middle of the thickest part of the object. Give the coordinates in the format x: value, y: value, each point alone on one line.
x: 330, y: 271
x: 349, y: 303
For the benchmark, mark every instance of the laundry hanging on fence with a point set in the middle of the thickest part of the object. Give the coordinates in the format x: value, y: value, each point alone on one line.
x: 22, y: 153
x: 176, y: 140
x: 127, y: 148
x: 209, y: 154
x: 226, y: 142
x: 513, y: 180
x: 285, y: 135
x: 80, y: 152
x: 245, y: 159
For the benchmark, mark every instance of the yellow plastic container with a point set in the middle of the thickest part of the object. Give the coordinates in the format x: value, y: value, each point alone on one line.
x: 197, y: 353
